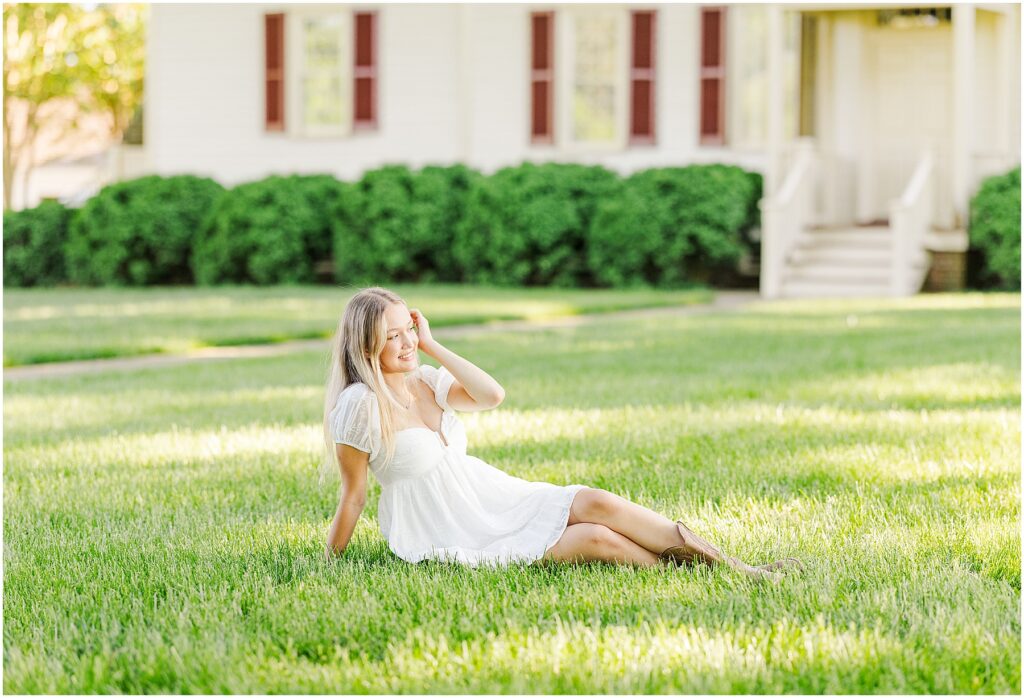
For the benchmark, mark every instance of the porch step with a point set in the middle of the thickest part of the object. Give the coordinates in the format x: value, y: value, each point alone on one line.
x: 837, y: 255
x: 869, y: 238
x: 838, y: 274
x: 812, y: 289
x: 843, y: 263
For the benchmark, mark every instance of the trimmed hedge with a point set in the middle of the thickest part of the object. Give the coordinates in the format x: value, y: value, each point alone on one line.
x: 139, y: 232
x: 272, y: 231
x: 553, y: 224
x: 34, y: 242
x: 398, y: 225
x: 528, y: 225
x: 669, y: 227
x: 995, y: 230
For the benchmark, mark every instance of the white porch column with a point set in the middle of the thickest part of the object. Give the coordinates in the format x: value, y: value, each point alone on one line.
x: 1008, y: 85
x: 963, y: 108
x: 851, y: 149
x: 776, y: 47
x: 1004, y: 54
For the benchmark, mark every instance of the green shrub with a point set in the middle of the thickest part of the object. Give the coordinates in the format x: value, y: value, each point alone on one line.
x: 271, y: 231
x: 995, y: 230
x: 624, y: 240
x: 528, y: 225
x: 34, y: 242
x: 672, y: 226
x: 140, y: 231
x: 396, y: 225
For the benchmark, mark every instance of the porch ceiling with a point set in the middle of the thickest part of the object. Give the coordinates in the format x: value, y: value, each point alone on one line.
x: 839, y: 7
x: 998, y: 8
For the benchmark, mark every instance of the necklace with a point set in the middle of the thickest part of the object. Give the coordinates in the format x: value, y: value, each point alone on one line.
x: 412, y: 399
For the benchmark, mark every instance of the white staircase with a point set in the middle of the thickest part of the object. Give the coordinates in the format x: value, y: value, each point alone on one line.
x: 844, y: 262
x: 801, y: 259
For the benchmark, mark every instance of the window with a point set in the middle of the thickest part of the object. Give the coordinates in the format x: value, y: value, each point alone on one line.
x: 747, y: 100
x: 321, y: 71
x: 596, y: 64
x: 324, y: 84
x: 595, y: 78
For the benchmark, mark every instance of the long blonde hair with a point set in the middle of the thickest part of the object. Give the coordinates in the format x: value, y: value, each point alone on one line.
x: 355, y: 358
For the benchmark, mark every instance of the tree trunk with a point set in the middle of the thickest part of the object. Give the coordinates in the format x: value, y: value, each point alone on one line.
x: 10, y: 160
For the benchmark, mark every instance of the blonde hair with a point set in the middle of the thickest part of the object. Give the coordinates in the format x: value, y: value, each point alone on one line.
x: 355, y: 358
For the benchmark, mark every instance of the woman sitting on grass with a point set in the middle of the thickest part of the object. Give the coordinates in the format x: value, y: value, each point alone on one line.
x: 385, y: 412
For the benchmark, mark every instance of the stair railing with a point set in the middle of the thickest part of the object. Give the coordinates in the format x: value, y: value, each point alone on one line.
x: 784, y: 216
x: 910, y: 219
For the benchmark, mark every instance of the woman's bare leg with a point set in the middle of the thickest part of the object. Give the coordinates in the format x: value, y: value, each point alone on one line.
x: 652, y: 531
x: 586, y: 542
x: 641, y: 525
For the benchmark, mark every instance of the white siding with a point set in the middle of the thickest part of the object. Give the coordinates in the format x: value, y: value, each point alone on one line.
x: 205, y: 110
x: 453, y: 87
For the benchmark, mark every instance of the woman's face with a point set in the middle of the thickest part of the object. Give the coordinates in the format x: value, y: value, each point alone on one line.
x: 402, y: 341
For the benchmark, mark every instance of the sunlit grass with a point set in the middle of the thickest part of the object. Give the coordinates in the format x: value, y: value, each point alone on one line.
x: 164, y: 530
x: 45, y: 325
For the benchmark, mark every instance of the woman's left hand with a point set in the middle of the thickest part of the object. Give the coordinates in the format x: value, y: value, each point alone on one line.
x: 426, y: 340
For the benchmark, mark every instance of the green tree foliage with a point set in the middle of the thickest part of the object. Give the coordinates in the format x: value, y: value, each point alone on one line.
x: 34, y: 245
x: 62, y: 60
x: 140, y: 231
x: 995, y: 229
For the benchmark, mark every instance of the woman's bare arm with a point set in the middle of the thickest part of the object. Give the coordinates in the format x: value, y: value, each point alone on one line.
x: 474, y: 389
x: 354, y: 464
x: 472, y: 382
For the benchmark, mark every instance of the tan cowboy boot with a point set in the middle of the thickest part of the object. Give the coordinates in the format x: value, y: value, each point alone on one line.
x: 697, y: 550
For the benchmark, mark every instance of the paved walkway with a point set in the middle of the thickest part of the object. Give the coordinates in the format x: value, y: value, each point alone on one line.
x: 724, y: 301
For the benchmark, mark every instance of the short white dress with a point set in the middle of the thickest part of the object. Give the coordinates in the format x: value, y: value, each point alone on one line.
x: 439, y: 503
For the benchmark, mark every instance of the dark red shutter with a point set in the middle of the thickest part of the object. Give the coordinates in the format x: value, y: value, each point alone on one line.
x: 365, y: 72
x: 542, y: 77
x: 274, y: 50
x: 712, y: 76
x: 641, y: 79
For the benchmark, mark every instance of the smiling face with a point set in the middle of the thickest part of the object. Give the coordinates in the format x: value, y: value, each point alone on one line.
x: 401, y: 341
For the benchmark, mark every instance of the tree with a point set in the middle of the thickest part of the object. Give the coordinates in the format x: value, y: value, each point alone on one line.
x: 62, y: 61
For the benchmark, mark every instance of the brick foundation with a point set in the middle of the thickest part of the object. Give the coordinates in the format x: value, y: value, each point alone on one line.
x: 948, y: 272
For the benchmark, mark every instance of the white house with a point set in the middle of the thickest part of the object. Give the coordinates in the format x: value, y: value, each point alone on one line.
x: 872, y: 123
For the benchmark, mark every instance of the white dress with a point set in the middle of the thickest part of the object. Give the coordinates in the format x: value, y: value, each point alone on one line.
x: 439, y: 503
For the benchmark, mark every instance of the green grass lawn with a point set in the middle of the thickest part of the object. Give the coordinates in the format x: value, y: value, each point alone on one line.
x: 44, y: 325
x: 164, y: 532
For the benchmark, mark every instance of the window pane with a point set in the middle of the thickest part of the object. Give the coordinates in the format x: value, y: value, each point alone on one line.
x: 594, y: 98
x: 750, y: 89
x: 322, y: 94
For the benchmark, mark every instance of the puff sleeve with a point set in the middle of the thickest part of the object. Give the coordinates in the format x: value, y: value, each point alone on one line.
x: 355, y: 420
x: 440, y: 381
